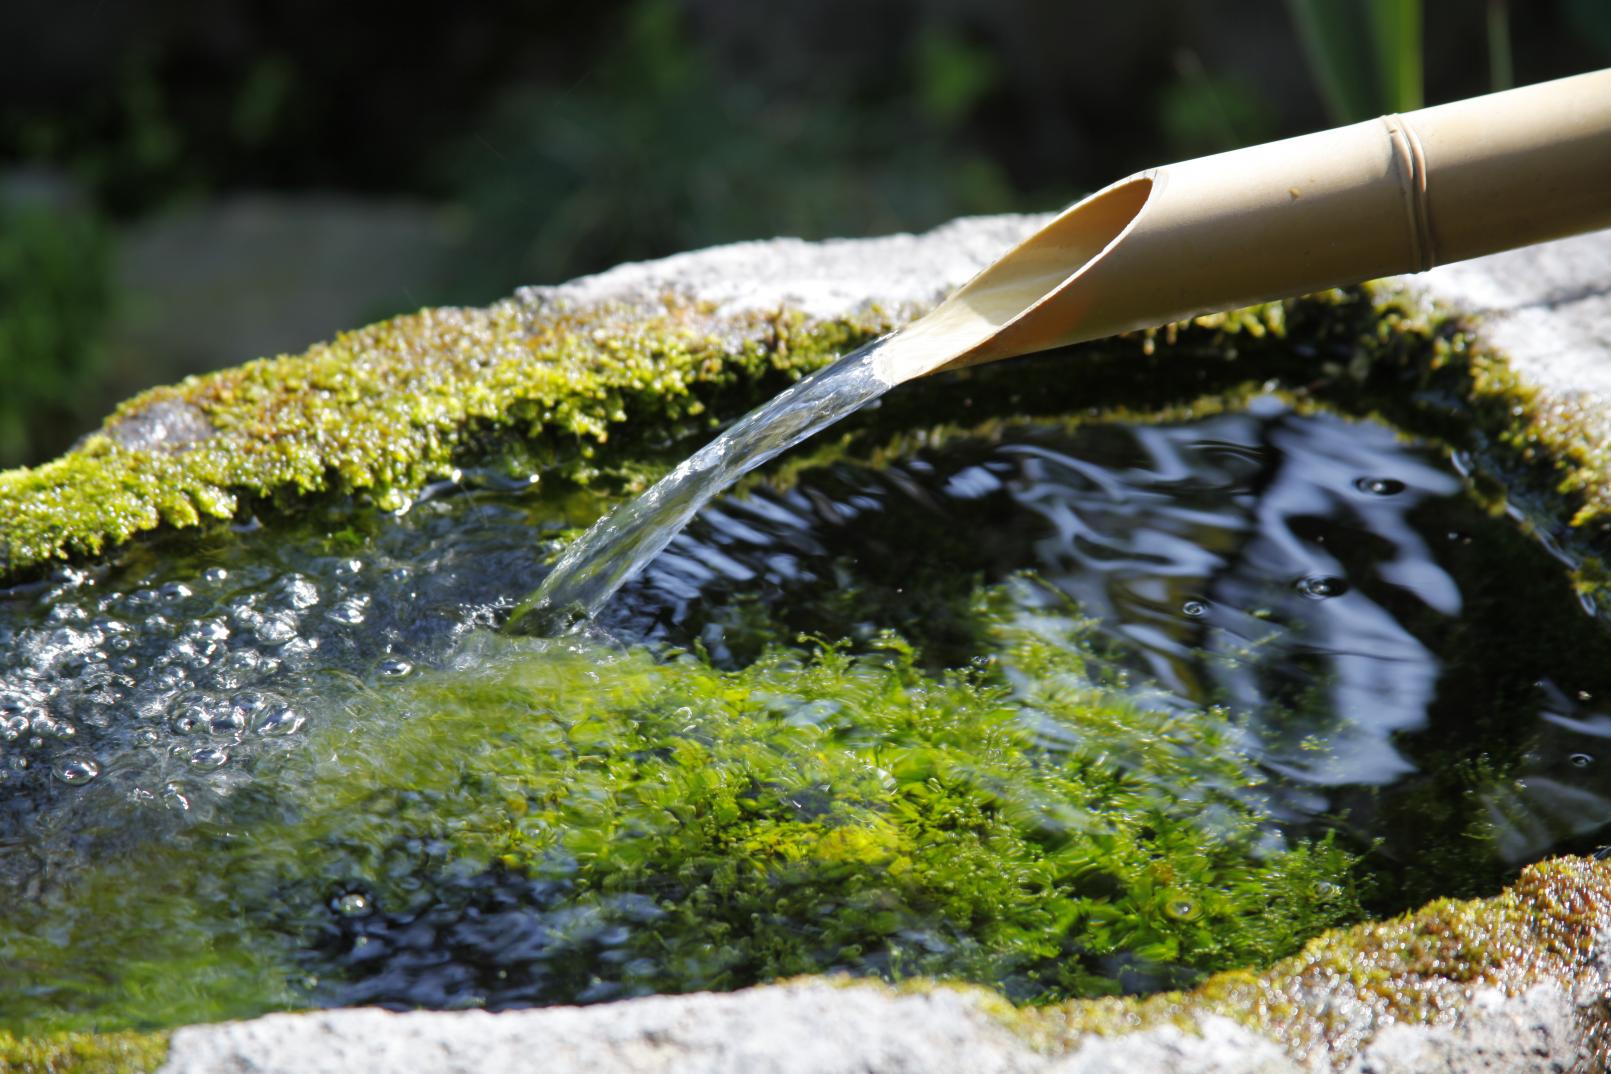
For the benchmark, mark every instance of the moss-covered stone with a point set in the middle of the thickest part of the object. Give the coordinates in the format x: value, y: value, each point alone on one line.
x: 382, y: 410
x: 83, y: 1053
x: 1331, y: 999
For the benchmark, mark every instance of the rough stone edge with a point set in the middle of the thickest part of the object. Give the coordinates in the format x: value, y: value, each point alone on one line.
x: 1545, y: 310
x: 823, y: 280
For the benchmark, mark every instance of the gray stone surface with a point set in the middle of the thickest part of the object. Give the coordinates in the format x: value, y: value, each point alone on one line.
x: 822, y: 279
x: 1219, y: 1047
x: 1549, y: 307
x: 166, y: 425
x: 1537, y: 1032
x: 811, y: 1028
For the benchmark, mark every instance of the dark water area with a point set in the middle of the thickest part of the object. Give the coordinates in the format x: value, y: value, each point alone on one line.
x: 1407, y: 669
x: 1390, y: 638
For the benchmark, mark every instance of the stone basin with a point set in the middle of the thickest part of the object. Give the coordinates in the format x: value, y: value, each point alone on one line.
x: 1515, y: 982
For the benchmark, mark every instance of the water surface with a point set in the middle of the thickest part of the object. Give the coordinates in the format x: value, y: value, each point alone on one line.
x: 1311, y: 616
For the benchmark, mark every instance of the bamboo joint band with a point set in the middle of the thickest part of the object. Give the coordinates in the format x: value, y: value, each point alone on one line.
x: 1409, y: 159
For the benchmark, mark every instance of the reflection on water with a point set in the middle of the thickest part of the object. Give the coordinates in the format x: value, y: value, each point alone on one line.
x: 1322, y: 577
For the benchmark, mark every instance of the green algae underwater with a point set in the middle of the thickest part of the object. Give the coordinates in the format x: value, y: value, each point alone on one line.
x: 338, y: 784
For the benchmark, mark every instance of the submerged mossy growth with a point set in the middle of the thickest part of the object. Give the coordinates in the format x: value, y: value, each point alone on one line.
x: 83, y: 1053
x: 561, y: 822
x: 810, y: 814
x: 1327, y: 1002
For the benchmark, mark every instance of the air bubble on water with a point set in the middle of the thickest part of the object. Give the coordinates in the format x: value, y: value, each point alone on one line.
x: 174, y: 592
x: 190, y: 717
x: 245, y: 660
x: 1580, y: 760
x: 275, y: 629
x: 1379, y: 486
x: 1321, y: 586
x: 208, y: 757
x: 299, y: 592
x: 214, y: 575
x: 214, y: 629
x: 250, y: 702
x: 76, y: 770
x: 1194, y: 608
x: 227, y: 722
x: 280, y: 720
x: 298, y: 649
x: 352, y: 904
x: 395, y: 667
x: 14, y: 727
x: 1182, y: 907
x: 350, y: 611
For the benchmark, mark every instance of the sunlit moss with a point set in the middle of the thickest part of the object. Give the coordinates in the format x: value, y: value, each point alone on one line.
x: 83, y: 1053
x: 382, y: 410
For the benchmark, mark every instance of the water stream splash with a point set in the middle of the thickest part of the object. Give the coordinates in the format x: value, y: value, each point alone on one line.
x: 618, y: 545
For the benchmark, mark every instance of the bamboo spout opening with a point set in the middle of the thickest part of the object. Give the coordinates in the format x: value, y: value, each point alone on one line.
x: 1056, y: 255
x: 1020, y: 282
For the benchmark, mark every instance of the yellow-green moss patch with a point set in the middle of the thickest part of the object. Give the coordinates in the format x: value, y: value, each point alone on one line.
x: 385, y: 409
x: 83, y: 1053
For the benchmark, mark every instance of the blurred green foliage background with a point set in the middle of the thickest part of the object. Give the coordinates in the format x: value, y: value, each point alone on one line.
x: 187, y: 185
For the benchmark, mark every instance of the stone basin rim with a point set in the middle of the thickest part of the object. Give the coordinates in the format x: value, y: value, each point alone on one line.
x: 1548, y: 309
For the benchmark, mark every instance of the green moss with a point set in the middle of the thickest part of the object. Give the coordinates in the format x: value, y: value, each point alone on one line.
x: 83, y: 1053
x: 382, y: 410
x: 1333, y: 997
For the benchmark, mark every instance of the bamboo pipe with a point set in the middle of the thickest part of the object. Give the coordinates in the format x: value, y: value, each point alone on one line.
x: 1397, y: 194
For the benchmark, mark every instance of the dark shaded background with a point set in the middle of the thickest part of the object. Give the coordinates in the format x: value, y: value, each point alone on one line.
x: 191, y: 184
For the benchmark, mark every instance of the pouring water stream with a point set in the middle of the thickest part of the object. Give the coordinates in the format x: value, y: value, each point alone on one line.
x: 617, y: 546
